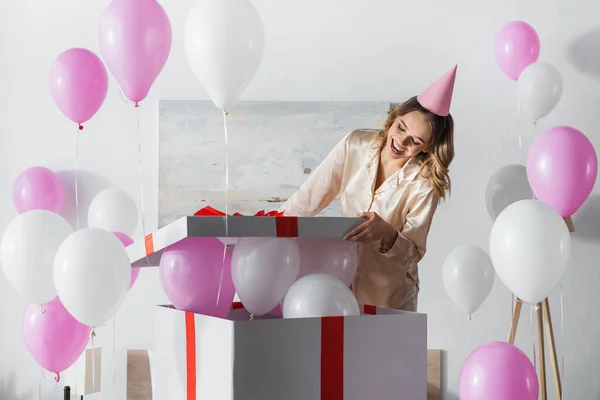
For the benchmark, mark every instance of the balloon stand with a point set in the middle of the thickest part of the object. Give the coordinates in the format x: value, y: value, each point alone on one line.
x: 379, y: 354
x: 544, y: 324
x: 570, y: 225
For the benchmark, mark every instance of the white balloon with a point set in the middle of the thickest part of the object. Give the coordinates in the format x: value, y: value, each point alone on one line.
x: 319, y: 295
x: 468, y: 276
x: 335, y: 257
x: 92, y: 274
x: 530, y: 246
x: 263, y: 269
x: 113, y: 210
x: 224, y: 45
x: 27, y: 252
x: 539, y: 89
x: 506, y: 186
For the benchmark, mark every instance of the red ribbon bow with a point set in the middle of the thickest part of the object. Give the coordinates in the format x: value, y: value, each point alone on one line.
x: 208, y: 211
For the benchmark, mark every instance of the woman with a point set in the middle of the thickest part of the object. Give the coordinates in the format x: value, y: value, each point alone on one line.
x: 394, y: 178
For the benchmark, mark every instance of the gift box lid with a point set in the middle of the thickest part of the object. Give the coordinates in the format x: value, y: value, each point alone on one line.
x: 147, y: 253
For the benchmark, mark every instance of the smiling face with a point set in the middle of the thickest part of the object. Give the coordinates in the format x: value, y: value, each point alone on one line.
x: 411, y: 130
x: 409, y: 135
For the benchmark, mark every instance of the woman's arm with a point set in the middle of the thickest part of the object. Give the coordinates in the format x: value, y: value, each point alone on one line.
x: 321, y: 187
x: 407, y: 241
x: 411, y: 238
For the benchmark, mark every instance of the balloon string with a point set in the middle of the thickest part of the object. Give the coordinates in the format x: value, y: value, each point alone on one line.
x: 469, y: 332
x: 519, y: 125
x: 142, y: 202
x: 74, y: 387
x: 562, y: 310
x: 43, y: 375
x: 114, y: 351
x: 225, y: 113
x: 141, y: 173
x: 77, y: 179
x: 40, y: 385
x: 562, y: 339
x: 92, y: 337
x: 141, y: 176
x: 531, y: 309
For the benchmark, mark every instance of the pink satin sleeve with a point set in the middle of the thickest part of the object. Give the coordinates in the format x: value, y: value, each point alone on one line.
x: 410, y: 246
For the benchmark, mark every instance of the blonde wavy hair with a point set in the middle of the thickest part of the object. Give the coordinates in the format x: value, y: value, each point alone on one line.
x: 436, y: 162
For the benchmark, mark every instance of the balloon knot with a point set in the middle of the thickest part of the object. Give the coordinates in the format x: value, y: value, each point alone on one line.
x: 42, y: 310
x: 57, y: 377
x: 80, y: 127
x: 93, y: 334
x: 251, y: 317
x: 225, y: 112
x: 470, y: 317
x: 136, y: 104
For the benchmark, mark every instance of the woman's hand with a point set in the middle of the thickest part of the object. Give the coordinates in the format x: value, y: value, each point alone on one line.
x: 373, y: 229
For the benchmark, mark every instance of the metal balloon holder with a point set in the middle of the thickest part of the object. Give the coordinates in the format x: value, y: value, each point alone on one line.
x: 544, y: 322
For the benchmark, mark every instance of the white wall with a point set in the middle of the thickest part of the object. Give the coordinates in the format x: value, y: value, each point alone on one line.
x: 343, y: 50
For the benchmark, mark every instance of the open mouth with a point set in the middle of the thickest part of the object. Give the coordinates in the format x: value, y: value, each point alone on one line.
x: 396, y: 150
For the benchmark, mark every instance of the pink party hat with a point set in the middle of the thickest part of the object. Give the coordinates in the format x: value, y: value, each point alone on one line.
x: 438, y: 97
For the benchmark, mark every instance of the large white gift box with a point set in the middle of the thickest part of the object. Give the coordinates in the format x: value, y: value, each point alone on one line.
x: 380, y: 355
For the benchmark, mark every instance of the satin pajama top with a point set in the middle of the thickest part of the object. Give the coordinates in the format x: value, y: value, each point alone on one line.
x: 386, y: 277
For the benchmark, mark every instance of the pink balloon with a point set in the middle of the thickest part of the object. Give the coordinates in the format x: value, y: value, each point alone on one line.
x: 190, y: 273
x: 135, y: 42
x: 78, y: 84
x: 562, y: 168
x: 126, y: 240
x: 135, y: 272
x: 498, y: 371
x: 38, y: 188
x: 53, y: 337
x: 517, y: 45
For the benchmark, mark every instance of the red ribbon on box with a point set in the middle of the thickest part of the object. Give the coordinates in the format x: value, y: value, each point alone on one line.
x: 285, y: 226
x: 332, y: 354
x: 332, y: 358
x: 190, y: 355
x: 149, y: 244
